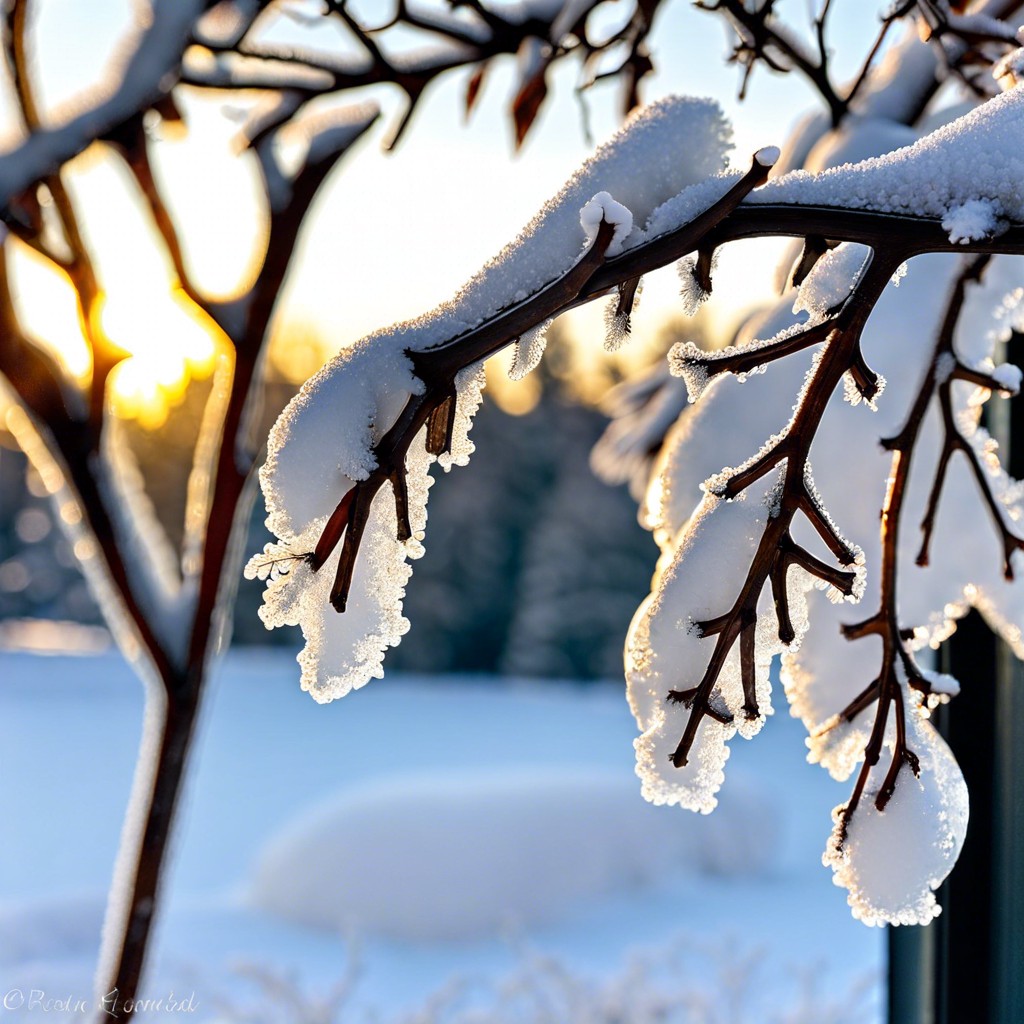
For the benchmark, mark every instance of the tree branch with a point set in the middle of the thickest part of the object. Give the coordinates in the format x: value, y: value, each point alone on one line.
x: 148, y: 76
x: 887, y: 690
x: 79, y: 267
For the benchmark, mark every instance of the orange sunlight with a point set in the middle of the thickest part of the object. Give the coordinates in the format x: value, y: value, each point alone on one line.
x: 167, y: 341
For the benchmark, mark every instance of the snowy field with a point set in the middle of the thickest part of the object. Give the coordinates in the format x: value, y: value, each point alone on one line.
x: 426, y: 850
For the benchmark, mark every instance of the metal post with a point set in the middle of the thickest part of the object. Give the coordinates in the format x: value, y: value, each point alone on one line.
x: 1008, y: 854
x: 967, y: 967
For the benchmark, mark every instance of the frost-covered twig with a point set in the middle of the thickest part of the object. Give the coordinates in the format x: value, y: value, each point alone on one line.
x: 437, y: 368
x: 698, y: 368
x: 57, y: 438
x: 776, y: 551
x: 899, y: 673
x: 893, y: 226
x: 953, y: 441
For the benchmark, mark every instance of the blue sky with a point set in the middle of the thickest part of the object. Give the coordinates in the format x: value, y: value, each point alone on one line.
x: 394, y: 234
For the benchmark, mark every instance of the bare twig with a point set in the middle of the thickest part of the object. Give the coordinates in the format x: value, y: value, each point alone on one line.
x: 759, y: 33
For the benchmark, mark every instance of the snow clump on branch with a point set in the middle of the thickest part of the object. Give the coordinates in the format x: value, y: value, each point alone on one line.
x: 327, y: 439
x: 900, y: 833
x: 892, y: 861
x: 735, y: 581
x: 966, y: 173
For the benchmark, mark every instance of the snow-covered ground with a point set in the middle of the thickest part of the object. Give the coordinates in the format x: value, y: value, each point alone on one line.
x: 425, y: 846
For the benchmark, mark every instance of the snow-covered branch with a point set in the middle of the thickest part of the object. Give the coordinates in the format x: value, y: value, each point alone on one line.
x: 148, y: 75
x: 733, y: 588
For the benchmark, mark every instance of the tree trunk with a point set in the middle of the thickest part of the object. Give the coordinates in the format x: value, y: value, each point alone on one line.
x: 145, y: 844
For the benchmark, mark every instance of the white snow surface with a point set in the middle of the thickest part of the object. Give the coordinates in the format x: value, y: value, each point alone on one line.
x: 941, y: 683
x: 972, y: 159
x: 323, y: 442
x: 893, y: 860
x: 526, y: 846
x: 267, y: 759
x: 858, y: 138
x: 1008, y: 377
x: 971, y: 221
x: 698, y: 579
x: 604, y: 207
x: 831, y: 280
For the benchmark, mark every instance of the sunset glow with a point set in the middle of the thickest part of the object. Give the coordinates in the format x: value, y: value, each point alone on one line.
x: 168, y: 346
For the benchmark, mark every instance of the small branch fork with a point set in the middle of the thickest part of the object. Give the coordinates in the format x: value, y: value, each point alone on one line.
x: 953, y: 441
x: 433, y: 410
x: 475, y: 42
x: 743, y: 359
x: 970, y: 44
x: 898, y: 666
x: 762, y: 38
x: 777, y: 551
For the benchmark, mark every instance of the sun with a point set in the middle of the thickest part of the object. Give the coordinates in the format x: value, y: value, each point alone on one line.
x: 168, y: 342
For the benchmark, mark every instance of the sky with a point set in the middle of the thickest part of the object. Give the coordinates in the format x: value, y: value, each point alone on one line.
x: 429, y: 214
x: 392, y: 234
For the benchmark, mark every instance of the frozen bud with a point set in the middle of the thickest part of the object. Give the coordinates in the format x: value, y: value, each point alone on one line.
x: 604, y: 208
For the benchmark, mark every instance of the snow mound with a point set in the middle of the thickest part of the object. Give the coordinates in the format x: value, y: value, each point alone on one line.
x: 460, y: 856
x: 893, y: 860
x: 832, y: 280
x: 973, y: 160
x: 51, y: 928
